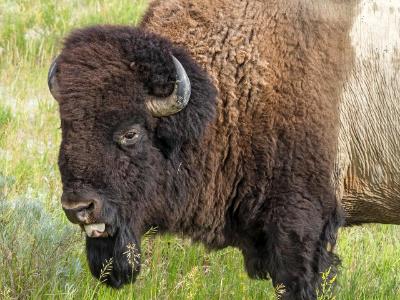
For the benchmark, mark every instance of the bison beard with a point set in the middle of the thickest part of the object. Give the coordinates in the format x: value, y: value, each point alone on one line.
x: 114, y: 250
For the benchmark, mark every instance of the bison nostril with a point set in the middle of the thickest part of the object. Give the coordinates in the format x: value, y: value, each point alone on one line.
x: 90, y: 207
x: 79, y: 212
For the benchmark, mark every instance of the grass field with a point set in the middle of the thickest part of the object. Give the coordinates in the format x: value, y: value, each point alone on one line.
x: 42, y: 255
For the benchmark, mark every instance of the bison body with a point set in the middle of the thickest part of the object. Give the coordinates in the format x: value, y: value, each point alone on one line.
x: 368, y: 159
x: 250, y: 161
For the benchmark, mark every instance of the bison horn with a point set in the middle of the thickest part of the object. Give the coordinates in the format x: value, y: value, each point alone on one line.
x: 51, y: 80
x: 161, y: 107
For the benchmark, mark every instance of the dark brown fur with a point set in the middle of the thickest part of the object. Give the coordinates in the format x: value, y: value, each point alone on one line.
x: 248, y: 164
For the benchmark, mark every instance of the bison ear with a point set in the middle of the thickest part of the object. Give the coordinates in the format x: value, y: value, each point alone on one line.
x: 167, y: 144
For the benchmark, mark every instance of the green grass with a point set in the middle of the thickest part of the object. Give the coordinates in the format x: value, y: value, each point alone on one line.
x: 42, y: 255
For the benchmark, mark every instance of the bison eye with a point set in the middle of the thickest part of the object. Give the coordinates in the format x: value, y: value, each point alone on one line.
x: 129, y: 138
x: 130, y: 135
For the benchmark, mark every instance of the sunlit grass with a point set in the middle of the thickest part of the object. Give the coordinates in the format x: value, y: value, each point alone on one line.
x: 42, y: 255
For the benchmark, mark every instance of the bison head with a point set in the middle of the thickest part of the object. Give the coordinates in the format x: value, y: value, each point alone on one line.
x: 132, y: 109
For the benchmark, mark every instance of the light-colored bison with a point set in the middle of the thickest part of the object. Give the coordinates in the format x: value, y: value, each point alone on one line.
x: 368, y: 164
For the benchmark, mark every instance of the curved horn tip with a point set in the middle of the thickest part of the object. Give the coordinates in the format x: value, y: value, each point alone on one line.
x: 51, y: 80
x: 179, y: 98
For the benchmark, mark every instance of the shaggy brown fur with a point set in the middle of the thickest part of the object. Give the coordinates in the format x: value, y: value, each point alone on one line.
x: 256, y: 175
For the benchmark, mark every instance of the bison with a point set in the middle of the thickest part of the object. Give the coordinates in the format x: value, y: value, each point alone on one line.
x: 218, y: 120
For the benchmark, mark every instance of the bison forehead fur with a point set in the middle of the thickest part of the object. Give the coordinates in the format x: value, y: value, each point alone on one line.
x: 247, y: 163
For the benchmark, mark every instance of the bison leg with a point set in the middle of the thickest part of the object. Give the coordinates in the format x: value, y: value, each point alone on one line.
x: 297, y: 242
